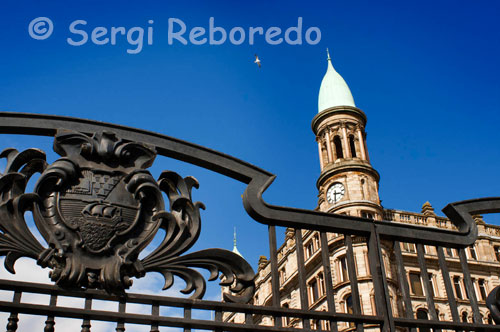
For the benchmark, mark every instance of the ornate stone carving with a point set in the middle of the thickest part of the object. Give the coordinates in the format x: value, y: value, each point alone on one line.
x: 98, y: 207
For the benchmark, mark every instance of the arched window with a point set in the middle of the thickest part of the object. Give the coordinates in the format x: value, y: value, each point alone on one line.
x: 352, y: 146
x: 348, y: 307
x: 464, y: 317
x: 338, y: 147
x: 422, y: 314
x: 348, y: 304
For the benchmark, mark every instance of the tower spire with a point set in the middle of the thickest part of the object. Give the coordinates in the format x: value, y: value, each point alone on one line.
x: 235, y: 249
x: 334, y: 90
x: 234, y: 239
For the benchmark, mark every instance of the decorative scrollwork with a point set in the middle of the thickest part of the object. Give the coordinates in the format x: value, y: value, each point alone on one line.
x: 98, y: 207
x: 182, y: 228
x: 493, y: 303
x: 16, y: 240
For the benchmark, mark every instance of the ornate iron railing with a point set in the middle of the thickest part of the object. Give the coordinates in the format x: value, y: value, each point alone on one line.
x: 97, y: 207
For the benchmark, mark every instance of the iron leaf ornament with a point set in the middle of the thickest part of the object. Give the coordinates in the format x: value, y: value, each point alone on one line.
x: 98, y: 207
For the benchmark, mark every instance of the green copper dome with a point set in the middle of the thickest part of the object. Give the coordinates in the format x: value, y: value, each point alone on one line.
x: 334, y: 90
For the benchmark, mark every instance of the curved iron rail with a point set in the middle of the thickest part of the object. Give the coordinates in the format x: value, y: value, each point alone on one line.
x: 258, y: 180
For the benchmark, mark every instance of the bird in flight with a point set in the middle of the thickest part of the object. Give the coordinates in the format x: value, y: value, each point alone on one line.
x: 257, y: 61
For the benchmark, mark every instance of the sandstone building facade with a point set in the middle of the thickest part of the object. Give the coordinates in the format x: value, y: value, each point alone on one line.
x: 348, y: 184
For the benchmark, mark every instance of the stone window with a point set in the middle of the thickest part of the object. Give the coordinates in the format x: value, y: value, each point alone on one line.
x: 348, y: 307
x: 309, y: 249
x: 342, y: 268
x: 338, y: 147
x: 458, y: 287
x: 497, y: 253
x: 312, y: 246
x: 366, y: 214
x: 348, y: 304
x: 416, y: 284
x: 409, y: 247
x: 316, y: 242
x: 352, y: 146
x: 422, y: 314
x: 313, y: 291
x: 472, y: 253
x: 321, y: 281
x: 316, y: 288
x: 482, y: 289
x: 464, y: 317
x: 282, y: 275
x: 431, y: 279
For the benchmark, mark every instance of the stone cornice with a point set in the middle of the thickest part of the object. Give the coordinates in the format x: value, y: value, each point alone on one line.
x: 357, y: 203
x: 345, y: 166
x: 337, y: 109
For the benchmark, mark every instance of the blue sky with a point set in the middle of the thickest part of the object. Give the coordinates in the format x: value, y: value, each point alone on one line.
x: 426, y: 73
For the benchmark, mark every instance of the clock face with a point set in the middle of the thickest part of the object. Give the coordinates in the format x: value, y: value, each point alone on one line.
x: 335, y: 193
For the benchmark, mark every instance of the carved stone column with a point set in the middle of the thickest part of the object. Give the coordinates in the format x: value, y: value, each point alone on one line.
x: 343, y: 125
x: 361, y: 143
x: 320, y: 150
x: 328, y: 145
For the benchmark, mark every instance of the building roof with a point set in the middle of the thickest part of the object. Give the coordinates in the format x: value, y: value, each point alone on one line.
x: 334, y: 90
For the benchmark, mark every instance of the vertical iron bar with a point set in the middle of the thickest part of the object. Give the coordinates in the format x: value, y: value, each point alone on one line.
x: 13, y: 318
x: 155, y: 312
x: 379, y: 281
x: 447, y: 284
x: 218, y: 318
x: 405, y: 289
x: 187, y: 315
x: 248, y: 318
x: 353, y: 279
x: 275, y: 282
x: 304, y: 303
x: 50, y: 322
x: 469, y: 287
x: 403, y: 283
x: 327, y: 270
x: 120, y: 325
x: 427, y: 283
x: 86, y: 321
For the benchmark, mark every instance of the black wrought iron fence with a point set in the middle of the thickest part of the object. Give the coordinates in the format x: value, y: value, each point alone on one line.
x: 98, y: 207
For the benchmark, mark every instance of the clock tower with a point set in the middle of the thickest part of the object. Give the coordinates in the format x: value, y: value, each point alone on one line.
x: 348, y: 184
